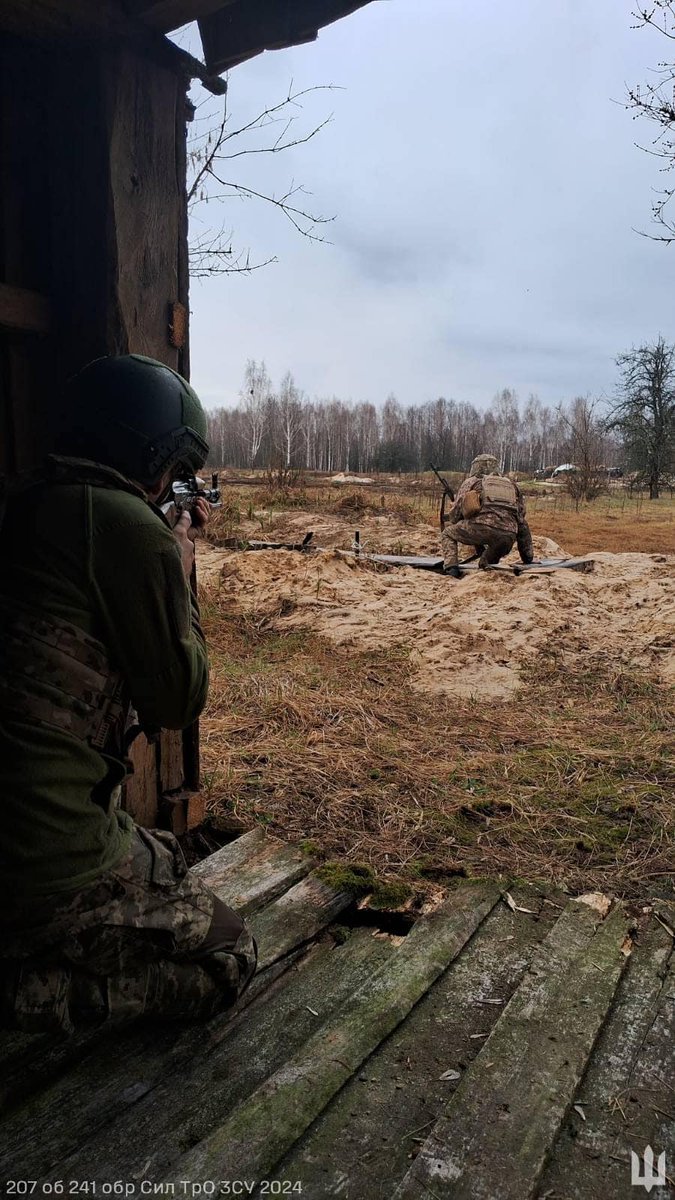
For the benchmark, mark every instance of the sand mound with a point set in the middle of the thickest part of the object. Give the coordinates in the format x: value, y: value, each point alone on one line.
x: 467, y: 638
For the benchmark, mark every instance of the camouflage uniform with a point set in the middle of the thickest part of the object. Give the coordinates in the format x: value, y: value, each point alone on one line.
x: 148, y: 938
x: 99, y: 920
x: 499, y: 521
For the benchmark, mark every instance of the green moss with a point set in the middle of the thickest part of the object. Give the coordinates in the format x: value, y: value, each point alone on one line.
x: 389, y: 895
x: 340, y: 934
x: 355, y: 878
x: 310, y: 848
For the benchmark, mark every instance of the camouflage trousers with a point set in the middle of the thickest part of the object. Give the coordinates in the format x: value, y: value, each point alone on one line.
x: 493, y: 542
x: 147, y: 938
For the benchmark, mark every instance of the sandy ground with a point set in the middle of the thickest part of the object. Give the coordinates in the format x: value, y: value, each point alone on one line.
x: 468, y: 638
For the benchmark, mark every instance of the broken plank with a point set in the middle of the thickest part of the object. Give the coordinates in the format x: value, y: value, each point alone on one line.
x: 386, y: 1109
x: 296, y: 917
x: 136, y: 1113
x: 247, y: 881
x: 261, y: 1130
x: 494, y: 1137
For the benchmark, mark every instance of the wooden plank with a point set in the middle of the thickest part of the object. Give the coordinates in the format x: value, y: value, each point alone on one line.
x: 540, y: 567
x: 140, y: 796
x: 24, y: 310
x: 170, y: 760
x: 627, y: 1091
x: 261, y: 1130
x: 217, y: 869
x: 237, y: 32
x: 296, y: 917
x: 426, y: 562
x: 138, y: 1102
x: 270, y: 868
x: 384, y: 1112
x: 147, y: 200
x: 502, y: 1120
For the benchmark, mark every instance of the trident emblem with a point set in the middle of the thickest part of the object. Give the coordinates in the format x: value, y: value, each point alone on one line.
x: 649, y: 1178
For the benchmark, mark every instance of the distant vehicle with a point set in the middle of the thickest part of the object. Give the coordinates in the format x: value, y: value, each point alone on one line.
x: 543, y: 473
x: 614, y: 472
x: 565, y: 469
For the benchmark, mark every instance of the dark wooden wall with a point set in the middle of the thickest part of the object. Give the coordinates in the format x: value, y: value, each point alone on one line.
x: 93, y: 259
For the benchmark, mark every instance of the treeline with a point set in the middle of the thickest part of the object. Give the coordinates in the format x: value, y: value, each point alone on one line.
x: 274, y: 426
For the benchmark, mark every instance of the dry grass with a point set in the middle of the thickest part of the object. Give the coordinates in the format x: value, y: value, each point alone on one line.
x: 572, y: 784
x: 617, y: 522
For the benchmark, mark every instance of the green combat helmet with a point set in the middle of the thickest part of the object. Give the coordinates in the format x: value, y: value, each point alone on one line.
x: 134, y: 414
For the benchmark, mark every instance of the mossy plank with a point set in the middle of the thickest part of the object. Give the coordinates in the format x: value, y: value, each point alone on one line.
x: 385, y: 1110
x: 218, y: 866
x: 260, y: 1131
x: 493, y: 1139
x: 247, y: 881
x: 627, y: 1089
x: 110, y: 1122
x: 296, y: 917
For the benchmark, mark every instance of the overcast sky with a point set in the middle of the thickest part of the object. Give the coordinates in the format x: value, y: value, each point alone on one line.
x: 486, y: 186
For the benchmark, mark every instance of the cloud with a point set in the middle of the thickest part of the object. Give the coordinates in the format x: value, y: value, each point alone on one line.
x: 486, y: 186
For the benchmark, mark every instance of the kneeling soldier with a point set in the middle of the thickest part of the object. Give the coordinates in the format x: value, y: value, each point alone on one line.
x: 489, y: 513
x: 101, y: 920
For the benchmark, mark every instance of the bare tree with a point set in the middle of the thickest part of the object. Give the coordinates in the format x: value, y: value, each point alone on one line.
x: 505, y: 411
x: 644, y: 410
x: 655, y: 101
x: 214, y: 145
x: 289, y: 409
x: 255, y: 394
x: 585, y: 441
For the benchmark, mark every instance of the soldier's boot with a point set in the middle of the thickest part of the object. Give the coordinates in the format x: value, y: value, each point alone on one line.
x: 49, y: 998
x: 494, y: 552
x: 60, y: 998
x: 196, y: 989
x: 450, y: 556
x: 233, y: 969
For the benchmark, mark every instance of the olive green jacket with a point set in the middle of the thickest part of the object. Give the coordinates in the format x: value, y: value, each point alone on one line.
x: 104, y: 560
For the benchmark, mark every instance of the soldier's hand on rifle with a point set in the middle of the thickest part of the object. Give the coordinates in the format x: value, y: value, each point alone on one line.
x: 186, y: 545
x: 200, y: 513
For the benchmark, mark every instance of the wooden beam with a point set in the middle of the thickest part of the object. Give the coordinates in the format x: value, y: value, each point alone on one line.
x: 23, y: 309
x: 243, y: 29
x: 171, y: 14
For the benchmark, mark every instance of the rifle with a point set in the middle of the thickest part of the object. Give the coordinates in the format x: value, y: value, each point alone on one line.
x: 447, y: 491
x: 185, y: 491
